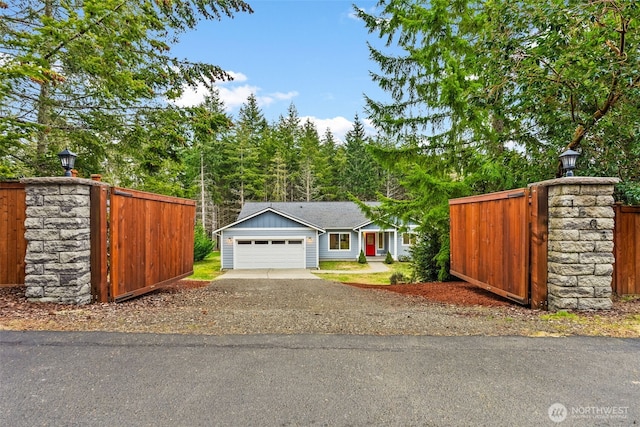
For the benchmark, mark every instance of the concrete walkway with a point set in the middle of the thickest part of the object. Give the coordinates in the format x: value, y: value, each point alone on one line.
x: 294, y: 273
x: 297, y: 273
x: 374, y: 267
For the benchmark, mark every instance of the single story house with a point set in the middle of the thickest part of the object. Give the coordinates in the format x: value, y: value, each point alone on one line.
x: 301, y: 234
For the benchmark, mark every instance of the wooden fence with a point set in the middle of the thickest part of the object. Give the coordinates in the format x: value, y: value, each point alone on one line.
x: 626, y: 277
x: 492, y: 244
x: 139, y: 241
x: 13, y: 245
x: 150, y: 242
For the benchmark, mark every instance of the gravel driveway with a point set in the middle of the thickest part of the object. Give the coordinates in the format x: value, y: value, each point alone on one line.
x: 318, y: 306
x: 246, y: 306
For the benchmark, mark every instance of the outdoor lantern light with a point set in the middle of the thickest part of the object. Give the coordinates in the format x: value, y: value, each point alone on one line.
x: 568, y: 159
x: 68, y: 160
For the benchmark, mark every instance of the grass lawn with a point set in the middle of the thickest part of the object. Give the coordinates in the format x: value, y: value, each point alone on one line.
x: 342, y: 265
x: 367, y: 278
x: 208, y: 268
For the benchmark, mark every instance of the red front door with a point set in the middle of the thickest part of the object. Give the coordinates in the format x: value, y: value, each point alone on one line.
x: 370, y: 244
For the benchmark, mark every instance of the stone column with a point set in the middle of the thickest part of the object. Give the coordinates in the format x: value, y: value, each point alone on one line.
x: 580, y: 243
x: 58, y: 266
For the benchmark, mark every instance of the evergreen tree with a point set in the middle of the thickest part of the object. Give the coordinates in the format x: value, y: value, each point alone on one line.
x: 242, y: 150
x: 310, y: 162
x: 210, y: 125
x: 76, y: 72
x: 286, y: 141
x: 330, y: 164
x: 486, y: 95
x: 360, y: 175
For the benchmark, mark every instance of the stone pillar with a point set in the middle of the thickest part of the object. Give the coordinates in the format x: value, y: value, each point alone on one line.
x: 57, y: 262
x: 580, y: 243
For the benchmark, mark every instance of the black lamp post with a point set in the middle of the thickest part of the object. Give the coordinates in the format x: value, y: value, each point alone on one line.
x: 68, y: 160
x: 568, y: 159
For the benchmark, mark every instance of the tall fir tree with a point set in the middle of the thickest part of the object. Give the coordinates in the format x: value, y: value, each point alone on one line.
x: 75, y: 73
x: 360, y: 175
x: 243, y: 171
x: 311, y: 163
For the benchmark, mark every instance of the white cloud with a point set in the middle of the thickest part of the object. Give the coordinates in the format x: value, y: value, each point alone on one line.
x: 237, y: 78
x: 232, y: 94
x: 369, y: 128
x: 191, y: 96
x: 234, y: 97
x: 266, y: 100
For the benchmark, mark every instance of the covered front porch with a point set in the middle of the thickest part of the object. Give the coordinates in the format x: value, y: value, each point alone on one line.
x: 376, y: 243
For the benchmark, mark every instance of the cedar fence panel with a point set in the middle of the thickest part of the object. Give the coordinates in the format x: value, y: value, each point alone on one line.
x: 151, y: 241
x: 539, y: 245
x: 13, y: 245
x: 626, y: 276
x: 490, y: 242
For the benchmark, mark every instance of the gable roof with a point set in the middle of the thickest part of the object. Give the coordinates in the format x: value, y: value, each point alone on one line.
x: 260, y: 212
x: 325, y: 215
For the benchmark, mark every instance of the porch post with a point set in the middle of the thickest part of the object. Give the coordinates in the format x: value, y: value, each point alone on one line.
x: 395, y: 243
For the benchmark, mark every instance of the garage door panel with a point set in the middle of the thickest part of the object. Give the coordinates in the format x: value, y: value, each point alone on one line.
x: 260, y: 253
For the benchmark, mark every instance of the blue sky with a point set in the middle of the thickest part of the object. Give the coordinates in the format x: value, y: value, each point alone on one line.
x: 309, y: 52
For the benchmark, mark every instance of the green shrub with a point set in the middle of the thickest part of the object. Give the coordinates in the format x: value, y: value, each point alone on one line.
x: 430, y: 257
x: 388, y: 259
x: 398, y: 278
x: 202, y: 244
x: 361, y: 258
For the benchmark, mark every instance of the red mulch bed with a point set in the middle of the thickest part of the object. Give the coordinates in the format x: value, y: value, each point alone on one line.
x: 458, y: 293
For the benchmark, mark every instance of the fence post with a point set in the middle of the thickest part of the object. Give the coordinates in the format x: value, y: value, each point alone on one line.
x: 580, y: 242
x: 58, y: 233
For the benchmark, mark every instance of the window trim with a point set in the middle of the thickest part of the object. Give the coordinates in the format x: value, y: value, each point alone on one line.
x: 380, y: 238
x: 412, y: 238
x: 339, y: 233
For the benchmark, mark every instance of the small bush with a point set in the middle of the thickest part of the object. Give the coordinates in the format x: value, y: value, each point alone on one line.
x: 202, y: 244
x: 398, y: 278
x: 388, y: 259
x: 404, y: 258
x: 430, y: 257
x: 361, y: 258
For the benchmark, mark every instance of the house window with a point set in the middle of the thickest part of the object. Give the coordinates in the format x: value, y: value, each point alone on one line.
x: 380, y: 240
x: 339, y: 241
x: 408, y: 239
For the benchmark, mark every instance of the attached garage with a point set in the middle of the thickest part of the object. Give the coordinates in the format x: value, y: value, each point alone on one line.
x: 260, y: 252
x: 268, y: 239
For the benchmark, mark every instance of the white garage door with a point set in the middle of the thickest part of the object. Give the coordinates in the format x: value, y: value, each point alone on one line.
x: 269, y: 253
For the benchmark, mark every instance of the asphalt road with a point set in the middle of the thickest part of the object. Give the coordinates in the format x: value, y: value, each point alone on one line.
x: 109, y: 379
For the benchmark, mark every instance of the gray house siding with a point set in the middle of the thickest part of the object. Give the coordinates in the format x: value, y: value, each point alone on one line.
x: 402, y: 249
x: 326, y: 254
x: 268, y: 220
x: 266, y: 224
x: 228, y: 236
